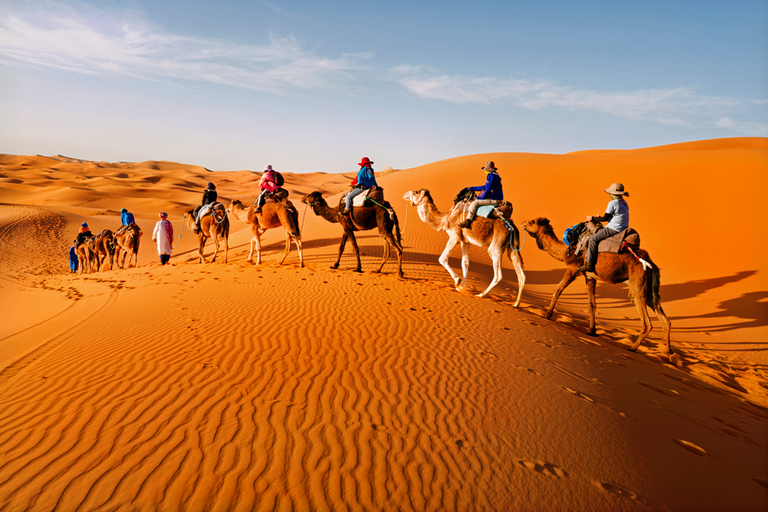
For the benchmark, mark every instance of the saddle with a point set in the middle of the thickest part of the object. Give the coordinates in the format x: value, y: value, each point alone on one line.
x: 503, y: 210
x: 369, y: 196
x: 277, y: 196
x: 614, y: 244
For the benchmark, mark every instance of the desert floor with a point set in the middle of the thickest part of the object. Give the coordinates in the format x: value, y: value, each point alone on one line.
x: 236, y: 386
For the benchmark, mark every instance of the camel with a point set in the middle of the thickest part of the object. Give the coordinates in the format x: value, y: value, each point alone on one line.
x: 611, y: 268
x: 214, y: 225
x: 272, y: 215
x: 85, y: 255
x: 362, y: 218
x: 104, y: 247
x: 127, y: 243
x: 490, y: 233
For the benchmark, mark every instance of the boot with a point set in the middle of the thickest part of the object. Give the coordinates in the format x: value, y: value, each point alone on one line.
x: 586, y: 267
x: 467, y: 223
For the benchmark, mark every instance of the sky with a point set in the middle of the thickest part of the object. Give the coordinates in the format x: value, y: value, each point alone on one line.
x: 315, y: 86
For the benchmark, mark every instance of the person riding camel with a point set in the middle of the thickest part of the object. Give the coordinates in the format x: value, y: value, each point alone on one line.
x: 268, y: 184
x: 617, y: 215
x: 491, y: 194
x: 126, y: 219
x: 85, y: 232
x: 209, y: 197
x: 365, y: 180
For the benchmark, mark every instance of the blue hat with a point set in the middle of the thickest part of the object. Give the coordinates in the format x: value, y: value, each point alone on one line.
x: 123, y: 211
x: 84, y: 225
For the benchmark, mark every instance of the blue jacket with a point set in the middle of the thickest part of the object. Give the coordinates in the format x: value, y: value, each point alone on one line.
x: 127, y: 218
x: 365, y: 177
x: 492, y: 187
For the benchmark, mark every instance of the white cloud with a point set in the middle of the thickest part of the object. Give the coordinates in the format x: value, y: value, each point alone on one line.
x: 96, y: 42
x: 678, y: 106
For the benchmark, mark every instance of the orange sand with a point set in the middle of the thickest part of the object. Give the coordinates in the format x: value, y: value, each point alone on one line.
x: 242, y: 387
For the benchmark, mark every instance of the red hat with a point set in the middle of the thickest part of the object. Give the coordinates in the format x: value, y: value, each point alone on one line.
x: 365, y: 162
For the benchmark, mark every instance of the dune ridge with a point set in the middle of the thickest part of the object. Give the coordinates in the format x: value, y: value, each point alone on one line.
x: 242, y: 387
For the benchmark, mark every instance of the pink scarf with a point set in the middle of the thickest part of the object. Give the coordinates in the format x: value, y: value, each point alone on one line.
x: 168, y: 229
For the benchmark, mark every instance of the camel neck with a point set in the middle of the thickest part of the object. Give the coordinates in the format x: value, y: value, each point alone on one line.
x: 552, y: 245
x: 430, y: 214
x: 326, y: 212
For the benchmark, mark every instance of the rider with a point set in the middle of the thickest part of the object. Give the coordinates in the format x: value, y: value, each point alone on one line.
x: 126, y: 219
x: 617, y: 215
x: 492, y: 194
x: 85, y: 232
x: 209, y: 197
x: 267, y: 185
x: 365, y: 180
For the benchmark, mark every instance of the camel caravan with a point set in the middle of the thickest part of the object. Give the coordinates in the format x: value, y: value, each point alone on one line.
x: 479, y: 216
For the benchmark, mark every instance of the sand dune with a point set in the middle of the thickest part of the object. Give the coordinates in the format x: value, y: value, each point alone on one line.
x: 242, y: 387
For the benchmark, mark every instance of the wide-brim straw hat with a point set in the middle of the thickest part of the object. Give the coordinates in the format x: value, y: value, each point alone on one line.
x: 617, y: 189
x: 489, y: 167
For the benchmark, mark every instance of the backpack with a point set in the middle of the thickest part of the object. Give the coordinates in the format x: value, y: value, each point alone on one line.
x: 464, y: 195
x: 573, y: 233
x: 279, y: 180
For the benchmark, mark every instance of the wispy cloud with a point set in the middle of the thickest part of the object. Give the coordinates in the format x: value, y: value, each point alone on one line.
x: 678, y: 106
x: 97, y: 42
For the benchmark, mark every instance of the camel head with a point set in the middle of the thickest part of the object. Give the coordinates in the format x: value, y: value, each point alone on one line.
x: 537, y: 225
x: 235, y: 204
x: 314, y: 198
x: 418, y: 197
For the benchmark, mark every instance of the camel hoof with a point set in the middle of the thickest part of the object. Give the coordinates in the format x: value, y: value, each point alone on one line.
x: 676, y: 360
x: 592, y: 333
x: 334, y: 267
x: 358, y: 270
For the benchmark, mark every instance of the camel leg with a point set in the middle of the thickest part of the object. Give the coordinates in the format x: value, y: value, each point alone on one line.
x: 570, y: 275
x: 215, y: 238
x: 226, y: 247
x: 452, y: 241
x: 353, y: 239
x: 386, y: 254
x: 300, y: 248
x: 496, y: 259
x: 591, y: 297
x: 341, y: 250
x: 518, y: 265
x: 250, y: 254
x: 287, y: 247
x: 257, y: 239
x: 647, y: 327
x: 464, y: 264
x: 666, y: 325
x: 200, y: 248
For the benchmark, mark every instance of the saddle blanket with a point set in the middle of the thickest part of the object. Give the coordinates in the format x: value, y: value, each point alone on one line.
x: 490, y: 211
x: 376, y: 194
x: 613, y: 243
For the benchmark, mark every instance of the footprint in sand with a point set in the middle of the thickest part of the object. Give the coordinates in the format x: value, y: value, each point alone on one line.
x: 545, y: 468
x: 617, y: 490
x: 692, y: 447
x: 578, y: 394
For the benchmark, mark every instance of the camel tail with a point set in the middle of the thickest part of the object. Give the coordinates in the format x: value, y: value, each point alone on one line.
x: 653, y: 297
x: 135, y: 245
x: 398, y: 237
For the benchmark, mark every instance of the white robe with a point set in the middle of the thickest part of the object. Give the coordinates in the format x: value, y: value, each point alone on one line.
x: 164, y: 244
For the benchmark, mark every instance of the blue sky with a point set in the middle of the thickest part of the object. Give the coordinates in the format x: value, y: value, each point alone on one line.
x: 315, y: 86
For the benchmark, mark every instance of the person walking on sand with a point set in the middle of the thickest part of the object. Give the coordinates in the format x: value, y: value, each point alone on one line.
x: 365, y: 180
x: 491, y: 194
x: 73, y: 261
x: 163, y: 235
x: 267, y: 184
x: 617, y: 215
x: 209, y: 197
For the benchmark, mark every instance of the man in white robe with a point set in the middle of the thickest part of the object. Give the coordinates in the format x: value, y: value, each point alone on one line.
x: 163, y: 235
